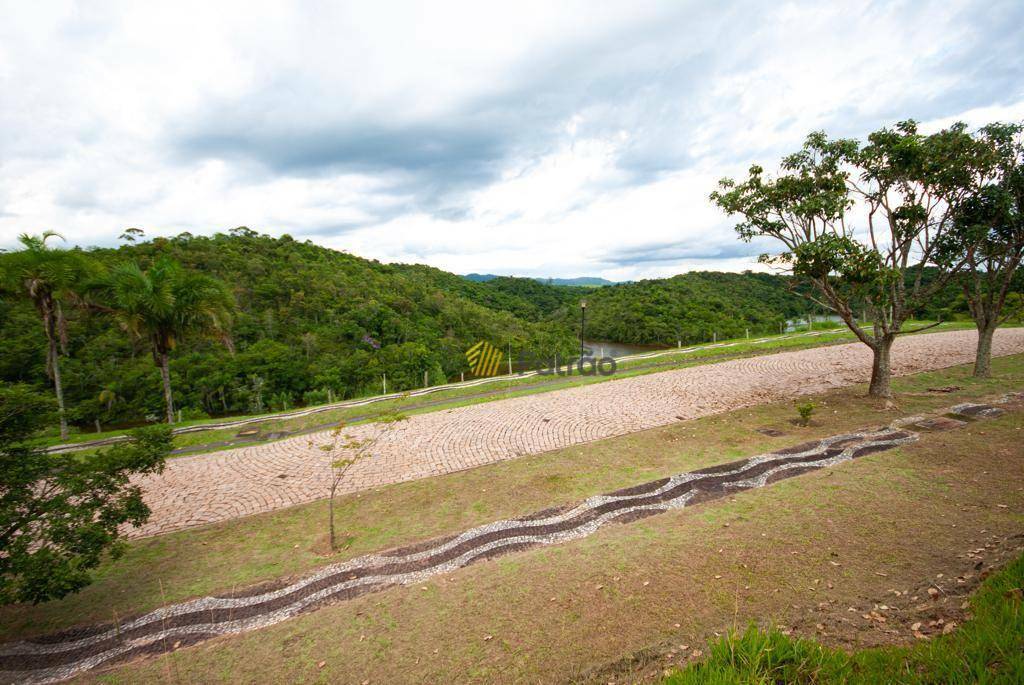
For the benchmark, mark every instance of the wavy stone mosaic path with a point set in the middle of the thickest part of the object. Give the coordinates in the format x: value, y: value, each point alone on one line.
x: 63, y: 655
x: 203, y: 489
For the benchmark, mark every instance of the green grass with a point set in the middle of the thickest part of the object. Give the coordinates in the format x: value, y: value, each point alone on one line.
x: 513, y: 387
x: 578, y: 612
x: 259, y: 548
x: 987, y: 649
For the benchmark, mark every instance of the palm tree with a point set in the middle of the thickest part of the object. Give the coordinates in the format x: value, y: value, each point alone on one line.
x: 50, y: 279
x: 107, y: 397
x: 163, y: 304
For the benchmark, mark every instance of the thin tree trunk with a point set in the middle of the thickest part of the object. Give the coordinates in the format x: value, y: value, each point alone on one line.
x: 330, y: 513
x: 62, y: 328
x: 58, y: 387
x: 881, y: 370
x: 983, y: 357
x: 165, y: 375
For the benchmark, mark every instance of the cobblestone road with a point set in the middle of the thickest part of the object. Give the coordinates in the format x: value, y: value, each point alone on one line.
x: 215, y: 487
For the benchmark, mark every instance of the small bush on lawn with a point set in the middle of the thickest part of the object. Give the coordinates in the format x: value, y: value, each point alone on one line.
x: 805, y: 410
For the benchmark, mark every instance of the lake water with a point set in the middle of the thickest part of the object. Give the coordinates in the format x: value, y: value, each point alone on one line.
x: 603, y: 348
x: 597, y: 348
x: 793, y: 324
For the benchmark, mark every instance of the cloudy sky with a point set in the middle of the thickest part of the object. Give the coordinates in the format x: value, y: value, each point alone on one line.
x: 544, y: 139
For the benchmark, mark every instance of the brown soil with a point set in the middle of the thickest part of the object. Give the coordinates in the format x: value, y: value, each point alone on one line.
x: 798, y: 554
x: 897, y: 617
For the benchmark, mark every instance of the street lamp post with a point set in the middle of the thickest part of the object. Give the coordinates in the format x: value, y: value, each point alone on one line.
x: 583, y: 325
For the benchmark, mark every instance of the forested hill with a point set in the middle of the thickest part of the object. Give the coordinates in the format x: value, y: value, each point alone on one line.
x: 696, y: 306
x: 691, y: 307
x: 527, y: 298
x: 312, y: 320
x: 309, y: 319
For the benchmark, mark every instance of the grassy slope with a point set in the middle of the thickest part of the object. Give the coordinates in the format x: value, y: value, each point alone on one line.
x: 259, y: 548
x: 988, y: 648
x: 778, y: 553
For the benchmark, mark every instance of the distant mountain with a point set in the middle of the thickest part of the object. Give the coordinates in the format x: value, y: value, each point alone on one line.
x: 586, y: 281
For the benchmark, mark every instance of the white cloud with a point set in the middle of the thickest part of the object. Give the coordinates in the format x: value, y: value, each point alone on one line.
x: 541, y: 138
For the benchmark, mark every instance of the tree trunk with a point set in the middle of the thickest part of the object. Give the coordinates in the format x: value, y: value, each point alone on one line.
x: 881, y: 371
x: 165, y: 375
x: 330, y: 520
x: 58, y: 387
x: 983, y: 357
x: 335, y: 482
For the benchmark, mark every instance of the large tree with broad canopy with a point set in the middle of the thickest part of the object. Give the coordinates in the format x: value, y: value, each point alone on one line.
x: 859, y: 223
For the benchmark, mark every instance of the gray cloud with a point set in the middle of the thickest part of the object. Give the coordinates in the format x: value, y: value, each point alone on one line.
x: 670, y: 83
x: 642, y: 80
x: 436, y: 148
x: 638, y: 80
x: 676, y: 251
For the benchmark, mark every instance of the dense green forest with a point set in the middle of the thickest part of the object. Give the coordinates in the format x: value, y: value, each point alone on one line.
x: 526, y: 298
x: 696, y: 306
x: 309, y: 321
x: 312, y: 324
x: 691, y: 308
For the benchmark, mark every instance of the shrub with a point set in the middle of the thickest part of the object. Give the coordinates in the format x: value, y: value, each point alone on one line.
x: 314, y: 397
x: 281, y: 401
x: 193, y: 414
x: 62, y: 514
x: 806, y: 410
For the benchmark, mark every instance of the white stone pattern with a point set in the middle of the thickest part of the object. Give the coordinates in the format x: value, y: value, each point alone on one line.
x: 64, y: 656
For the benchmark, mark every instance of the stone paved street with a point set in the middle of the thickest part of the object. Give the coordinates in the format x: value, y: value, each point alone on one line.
x: 239, y: 482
